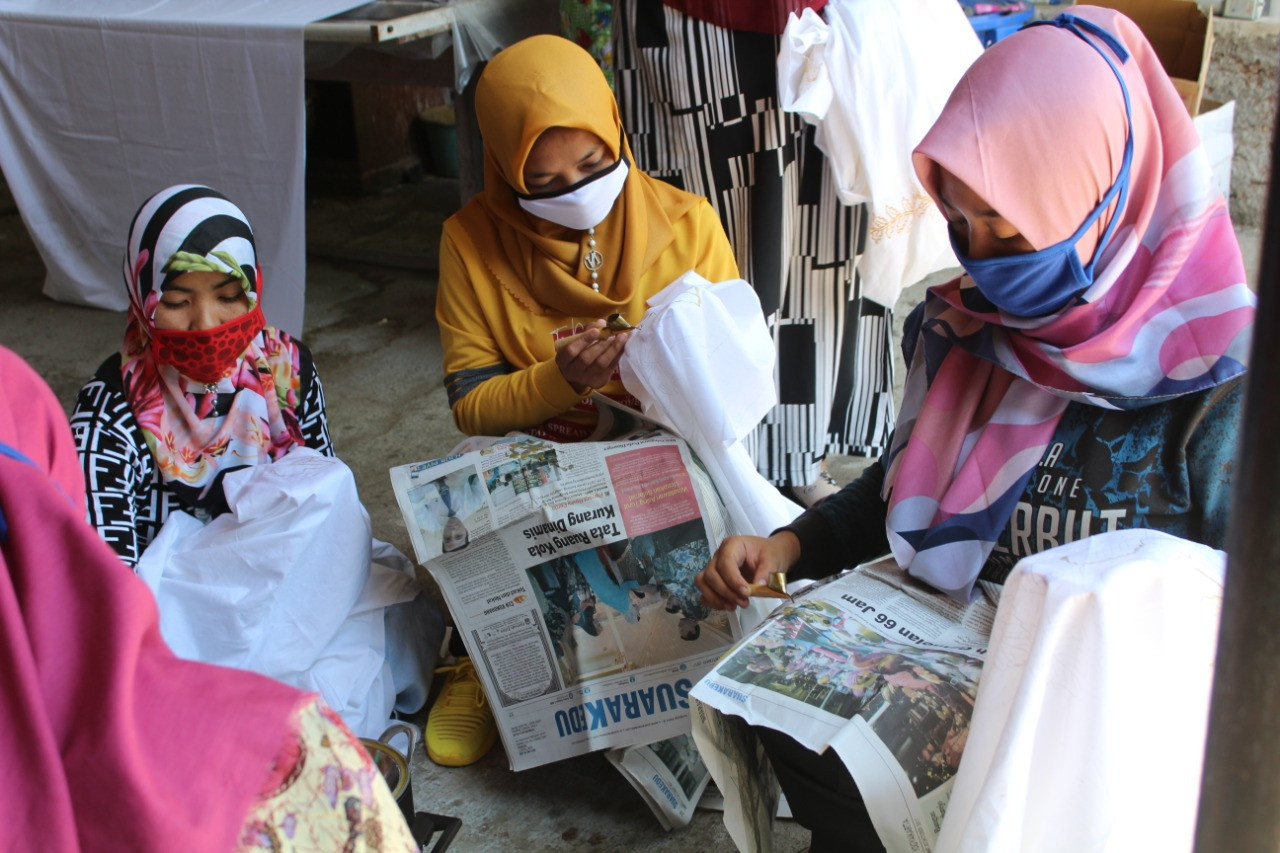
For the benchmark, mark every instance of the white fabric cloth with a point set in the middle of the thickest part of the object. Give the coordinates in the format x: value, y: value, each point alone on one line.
x: 700, y: 347
x: 1089, y: 728
x: 873, y: 77
x: 104, y: 102
x: 285, y: 585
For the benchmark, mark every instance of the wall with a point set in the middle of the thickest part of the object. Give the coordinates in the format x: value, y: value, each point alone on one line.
x: 1243, y: 68
x: 362, y: 137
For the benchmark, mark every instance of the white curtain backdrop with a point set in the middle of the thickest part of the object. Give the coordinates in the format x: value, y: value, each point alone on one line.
x: 104, y: 102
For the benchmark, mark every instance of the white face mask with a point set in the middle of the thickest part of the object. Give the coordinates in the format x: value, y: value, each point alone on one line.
x: 583, y: 205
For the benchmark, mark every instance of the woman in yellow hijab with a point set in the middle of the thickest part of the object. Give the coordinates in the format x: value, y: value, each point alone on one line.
x: 565, y: 233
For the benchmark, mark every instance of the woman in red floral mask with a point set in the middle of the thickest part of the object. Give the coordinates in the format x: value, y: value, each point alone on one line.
x: 201, y: 385
x: 201, y: 388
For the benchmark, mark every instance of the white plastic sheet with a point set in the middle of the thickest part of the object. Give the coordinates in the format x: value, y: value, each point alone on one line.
x: 1089, y: 728
x: 104, y: 103
x: 284, y: 585
x: 481, y: 28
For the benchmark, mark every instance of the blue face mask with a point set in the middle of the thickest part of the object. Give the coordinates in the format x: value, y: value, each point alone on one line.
x: 1037, y: 283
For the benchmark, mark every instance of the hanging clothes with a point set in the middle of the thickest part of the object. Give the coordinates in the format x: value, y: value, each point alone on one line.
x: 723, y: 134
x: 872, y: 77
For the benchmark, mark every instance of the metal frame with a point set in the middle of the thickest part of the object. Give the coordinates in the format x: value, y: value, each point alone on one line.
x: 385, y: 22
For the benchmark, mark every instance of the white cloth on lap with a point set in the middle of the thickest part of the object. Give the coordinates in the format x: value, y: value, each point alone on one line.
x: 284, y: 585
x: 415, y: 634
x: 1089, y: 728
x: 702, y: 365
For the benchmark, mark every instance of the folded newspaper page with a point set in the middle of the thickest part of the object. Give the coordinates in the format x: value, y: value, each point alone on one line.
x: 740, y: 770
x: 668, y: 774
x: 569, y: 571
x: 872, y: 664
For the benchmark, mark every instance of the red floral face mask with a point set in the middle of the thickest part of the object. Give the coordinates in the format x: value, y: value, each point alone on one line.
x: 206, y: 355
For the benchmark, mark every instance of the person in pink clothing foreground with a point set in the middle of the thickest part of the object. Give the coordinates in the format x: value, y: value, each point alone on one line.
x: 31, y: 421
x: 109, y: 741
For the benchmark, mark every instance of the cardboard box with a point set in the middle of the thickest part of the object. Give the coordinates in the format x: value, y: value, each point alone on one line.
x: 1182, y: 36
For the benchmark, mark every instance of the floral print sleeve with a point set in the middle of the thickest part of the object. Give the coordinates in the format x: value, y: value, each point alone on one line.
x: 324, y: 794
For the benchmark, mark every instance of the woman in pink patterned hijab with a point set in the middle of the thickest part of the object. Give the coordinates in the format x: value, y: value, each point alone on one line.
x: 1084, y: 375
x: 1072, y: 116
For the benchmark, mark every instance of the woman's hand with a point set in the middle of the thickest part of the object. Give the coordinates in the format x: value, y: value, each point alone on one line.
x: 741, y: 561
x: 588, y: 360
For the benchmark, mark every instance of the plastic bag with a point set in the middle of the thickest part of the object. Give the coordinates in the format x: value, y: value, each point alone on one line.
x: 284, y: 585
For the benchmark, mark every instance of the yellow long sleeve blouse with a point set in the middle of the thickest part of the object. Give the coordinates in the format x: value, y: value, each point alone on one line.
x: 499, y: 358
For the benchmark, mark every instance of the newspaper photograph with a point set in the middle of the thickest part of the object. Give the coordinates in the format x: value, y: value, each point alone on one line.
x: 872, y: 664
x: 669, y: 775
x: 569, y: 571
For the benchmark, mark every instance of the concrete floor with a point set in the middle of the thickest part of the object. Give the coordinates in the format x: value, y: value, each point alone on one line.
x: 370, y: 324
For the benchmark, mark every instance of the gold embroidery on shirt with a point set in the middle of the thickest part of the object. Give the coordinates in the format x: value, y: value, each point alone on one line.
x: 811, y: 70
x: 894, y: 221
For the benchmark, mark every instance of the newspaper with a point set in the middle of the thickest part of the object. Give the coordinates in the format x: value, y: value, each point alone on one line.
x: 874, y: 665
x: 569, y: 571
x: 669, y: 775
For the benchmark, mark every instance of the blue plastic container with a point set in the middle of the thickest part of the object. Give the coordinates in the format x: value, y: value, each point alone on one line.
x: 997, y: 25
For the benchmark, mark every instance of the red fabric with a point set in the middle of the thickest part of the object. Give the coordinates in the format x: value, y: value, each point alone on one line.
x: 33, y: 423
x: 757, y: 16
x: 207, y: 355
x: 107, y: 741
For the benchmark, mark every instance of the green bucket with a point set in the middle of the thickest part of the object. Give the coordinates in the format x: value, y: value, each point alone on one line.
x: 440, y: 130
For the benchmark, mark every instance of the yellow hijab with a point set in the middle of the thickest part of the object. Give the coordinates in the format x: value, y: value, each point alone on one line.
x: 542, y: 82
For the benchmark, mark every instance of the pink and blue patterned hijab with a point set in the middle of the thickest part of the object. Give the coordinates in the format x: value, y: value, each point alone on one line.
x: 1037, y: 127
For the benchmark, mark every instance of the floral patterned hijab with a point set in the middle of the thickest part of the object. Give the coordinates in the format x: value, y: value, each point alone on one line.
x: 198, y: 430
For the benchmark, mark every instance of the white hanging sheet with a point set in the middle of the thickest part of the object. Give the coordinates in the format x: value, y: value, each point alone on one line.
x: 873, y: 77
x: 104, y: 102
x: 1089, y: 727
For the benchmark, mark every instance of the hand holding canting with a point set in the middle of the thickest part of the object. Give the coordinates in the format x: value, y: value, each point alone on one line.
x: 588, y: 360
x: 741, y: 561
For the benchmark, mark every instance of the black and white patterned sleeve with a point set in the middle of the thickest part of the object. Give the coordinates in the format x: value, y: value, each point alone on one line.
x: 312, y: 419
x: 115, y: 462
